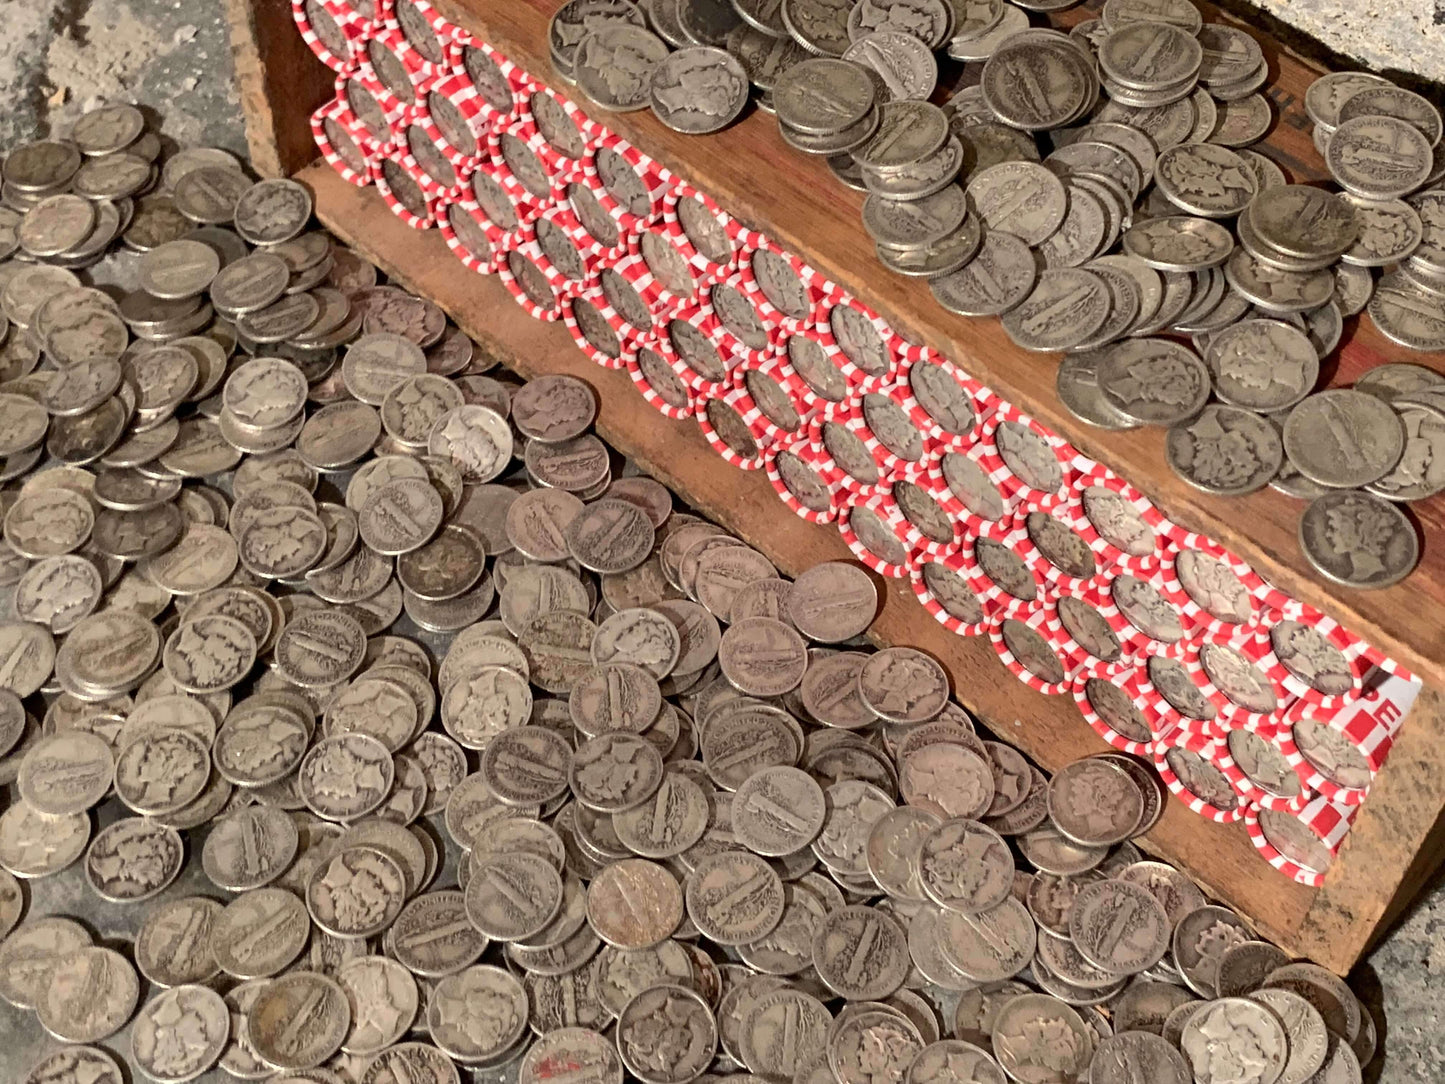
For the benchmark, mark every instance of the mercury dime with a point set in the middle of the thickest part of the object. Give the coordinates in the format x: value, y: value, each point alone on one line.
x: 298, y: 1020
x: 512, y: 897
x: 90, y: 995
x: 34, y: 844
x: 76, y: 1064
x: 778, y: 811
x: 1232, y: 1030
x: 160, y: 772
x: 1065, y: 308
x: 860, y: 953
x: 904, y: 685
x: 676, y: 102
x: 1037, y: 83
x: 1019, y: 198
x: 28, y: 957
x: 634, y: 904
x: 1154, y: 381
x: 734, y: 897
x: 66, y: 773
x: 1343, y: 437
x: 345, y: 776
x: 320, y: 648
x: 1225, y: 450
x: 180, y: 1033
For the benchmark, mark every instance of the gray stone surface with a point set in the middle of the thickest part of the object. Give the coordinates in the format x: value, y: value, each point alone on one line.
x: 58, y: 57
x: 1388, y: 36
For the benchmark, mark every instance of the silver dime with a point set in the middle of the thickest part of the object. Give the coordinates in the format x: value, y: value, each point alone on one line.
x: 674, y: 99
x: 89, y: 996
x: 860, y: 953
x: 1066, y: 307
x: 1225, y: 450
x: 1153, y: 381
x: 1358, y: 540
x: 1226, y: 1028
x: 1343, y: 438
x: 180, y: 1033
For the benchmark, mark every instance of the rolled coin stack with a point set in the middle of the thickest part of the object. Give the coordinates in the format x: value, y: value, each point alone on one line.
x: 492, y: 760
x: 1076, y: 578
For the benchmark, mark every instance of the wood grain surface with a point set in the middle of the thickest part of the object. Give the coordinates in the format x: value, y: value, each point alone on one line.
x: 281, y: 83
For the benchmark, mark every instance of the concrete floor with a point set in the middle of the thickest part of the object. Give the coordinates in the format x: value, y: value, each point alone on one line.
x: 59, y: 57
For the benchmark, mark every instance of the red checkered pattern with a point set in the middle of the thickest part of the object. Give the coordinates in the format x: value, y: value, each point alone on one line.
x: 483, y: 263
x: 1210, y: 749
x: 603, y: 354
x: 655, y: 181
x: 340, y: 117
x: 416, y: 218
x: 1037, y: 617
x: 807, y: 454
x: 964, y: 565
x: 1252, y: 643
x: 1124, y: 677
x: 875, y: 504
x: 992, y: 458
x: 676, y: 400
x: 731, y: 401
x: 348, y: 28
x: 773, y: 316
x: 519, y: 83
x: 709, y: 270
x: 981, y: 400
x: 530, y: 252
x: 1109, y: 554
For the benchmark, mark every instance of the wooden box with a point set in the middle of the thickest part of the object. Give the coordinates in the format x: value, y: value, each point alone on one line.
x: 1397, y: 837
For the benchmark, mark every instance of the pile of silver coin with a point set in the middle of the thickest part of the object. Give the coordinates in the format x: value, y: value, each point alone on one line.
x: 363, y: 721
x: 1149, y: 216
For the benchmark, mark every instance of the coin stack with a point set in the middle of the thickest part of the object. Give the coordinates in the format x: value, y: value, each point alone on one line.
x: 1218, y: 248
x: 672, y: 795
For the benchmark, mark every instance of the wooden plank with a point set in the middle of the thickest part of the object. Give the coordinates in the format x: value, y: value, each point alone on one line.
x: 1049, y: 729
x: 281, y: 83
x: 794, y: 199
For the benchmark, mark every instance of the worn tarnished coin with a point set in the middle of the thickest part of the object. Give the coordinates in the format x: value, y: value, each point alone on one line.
x: 1095, y: 803
x: 1154, y: 381
x: 680, y: 1049
x: 860, y: 953
x: 180, y: 1033
x: 133, y: 860
x: 89, y: 996
x: 260, y: 933
x: 1344, y: 438
x: 634, y: 904
x: 512, y: 897
x: 35, y: 844
x: 345, y: 776
x: 298, y: 1020
x: 1235, y: 1031
x: 1225, y: 450
x: 173, y: 946
x: 66, y: 773
x: 28, y: 957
